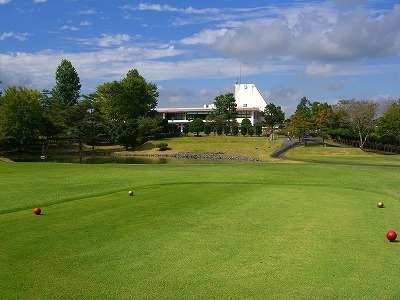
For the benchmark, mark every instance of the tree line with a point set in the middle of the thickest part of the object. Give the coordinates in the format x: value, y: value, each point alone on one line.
x: 356, y: 120
x: 124, y: 112
x: 119, y: 111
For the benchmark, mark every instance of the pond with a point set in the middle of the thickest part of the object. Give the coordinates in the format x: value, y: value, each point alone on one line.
x: 108, y: 159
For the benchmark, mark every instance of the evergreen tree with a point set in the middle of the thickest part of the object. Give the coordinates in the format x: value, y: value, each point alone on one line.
x: 68, y: 86
x: 197, y: 125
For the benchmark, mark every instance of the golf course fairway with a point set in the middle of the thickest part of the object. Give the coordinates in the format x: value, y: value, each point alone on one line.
x: 199, y: 231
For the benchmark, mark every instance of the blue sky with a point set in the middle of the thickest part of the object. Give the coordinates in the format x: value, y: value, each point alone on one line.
x: 196, y: 50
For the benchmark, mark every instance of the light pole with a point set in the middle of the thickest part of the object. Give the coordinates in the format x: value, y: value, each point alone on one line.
x: 172, y: 119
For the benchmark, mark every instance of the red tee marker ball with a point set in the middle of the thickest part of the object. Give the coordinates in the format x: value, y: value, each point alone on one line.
x: 391, y: 235
x: 37, y: 211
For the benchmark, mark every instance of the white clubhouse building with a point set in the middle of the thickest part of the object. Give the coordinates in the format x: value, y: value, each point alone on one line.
x: 250, y: 103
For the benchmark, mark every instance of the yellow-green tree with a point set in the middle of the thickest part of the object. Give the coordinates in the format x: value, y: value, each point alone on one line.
x: 20, y: 116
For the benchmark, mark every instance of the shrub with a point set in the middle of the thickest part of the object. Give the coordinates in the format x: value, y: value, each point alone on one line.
x: 235, y: 130
x: 207, y: 128
x: 162, y: 146
x: 243, y: 129
x: 250, y: 130
x: 258, y: 130
x: 227, y: 130
x: 219, y: 130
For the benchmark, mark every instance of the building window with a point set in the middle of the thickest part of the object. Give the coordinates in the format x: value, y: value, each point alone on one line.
x: 176, y: 116
x: 243, y: 114
x: 244, y: 105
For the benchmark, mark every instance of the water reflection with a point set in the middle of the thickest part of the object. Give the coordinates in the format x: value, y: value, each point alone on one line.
x: 100, y: 159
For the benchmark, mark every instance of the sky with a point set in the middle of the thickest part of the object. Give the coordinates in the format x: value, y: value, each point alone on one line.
x: 196, y: 50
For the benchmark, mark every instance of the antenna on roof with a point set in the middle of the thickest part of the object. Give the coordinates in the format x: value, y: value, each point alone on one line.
x: 240, y: 74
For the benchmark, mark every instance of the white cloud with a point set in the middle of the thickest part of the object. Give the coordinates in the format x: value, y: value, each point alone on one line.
x: 349, y: 3
x: 285, y: 97
x: 311, y: 32
x: 168, y: 8
x: 108, y: 40
x: 318, y: 69
x: 86, y: 12
x: 4, y: 1
x: 206, y: 36
x: 72, y: 28
x: 9, y: 77
x: 6, y: 35
x: 176, y: 97
x: 18, y: 36
x: 97, y: 67
x: 207, y: 96
x: 252, y: 43
x: 39, y: 1
x: 85, y: 23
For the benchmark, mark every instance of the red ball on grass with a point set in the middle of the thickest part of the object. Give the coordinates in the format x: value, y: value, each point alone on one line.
x: 391, y: 235
x: 37, y: 211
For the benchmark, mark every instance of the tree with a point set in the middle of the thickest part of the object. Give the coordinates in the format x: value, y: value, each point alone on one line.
x: 244, y: 126
x: 243, y: 130
x: 304, y: 107
x: 225, y: 110
x: 68, y: 86
x: 273, y: 115
x: 91, y: 126
x: 59, y: 104
x: 321, y: 116
x: 227, y: 130
x: 207, y: 128
x: 300, y: 123
x: 197, y: 125
x: 219, y: 129
x: 258, y: 129
x: 235, y: 130
x: 250, y: 130
x: 20, y: 116
x: 388, y: 126
x: 148, y: 126
x: 361, y: 114
x: 126, y: 102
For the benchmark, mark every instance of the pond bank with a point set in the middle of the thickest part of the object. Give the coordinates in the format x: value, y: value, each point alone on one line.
x: 186, y: 155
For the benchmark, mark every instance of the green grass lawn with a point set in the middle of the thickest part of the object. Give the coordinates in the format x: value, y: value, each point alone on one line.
x: 346, y: 155
x: 199, y: 231
x: 255, y: 147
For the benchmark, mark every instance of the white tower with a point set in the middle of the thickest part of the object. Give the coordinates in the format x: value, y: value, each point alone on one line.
x: 248, y: 95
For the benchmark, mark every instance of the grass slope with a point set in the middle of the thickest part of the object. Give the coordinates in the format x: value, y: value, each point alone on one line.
x: 341, y: 155
x: 258, y: 231
x: 255, y: 147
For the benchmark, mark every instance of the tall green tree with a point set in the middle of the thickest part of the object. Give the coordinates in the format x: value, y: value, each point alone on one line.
x: 225, y: 110
x: 20, y: 116
x: 273, y: 115
x: 67, y: 87
x: 59, y: 104
x: 300, y: 123
x: 124, y: 103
